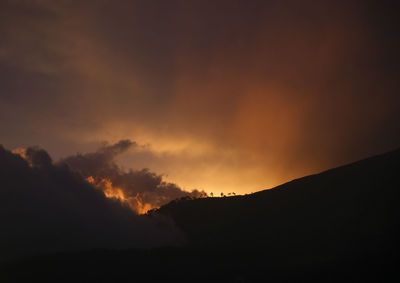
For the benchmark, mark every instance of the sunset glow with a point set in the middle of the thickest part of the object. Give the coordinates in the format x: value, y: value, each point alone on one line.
x: 199, y: 140
x: 238, y: 102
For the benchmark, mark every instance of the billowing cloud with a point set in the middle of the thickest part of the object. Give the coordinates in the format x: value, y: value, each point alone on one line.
x: 46, y: 207
x: 141, y: 189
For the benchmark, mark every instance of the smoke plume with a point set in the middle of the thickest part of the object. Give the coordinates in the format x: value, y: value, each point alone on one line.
x: 141, y: 189
x: 47, y: 207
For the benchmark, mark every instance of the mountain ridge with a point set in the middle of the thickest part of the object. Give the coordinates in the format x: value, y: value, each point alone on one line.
x: 343, y: 211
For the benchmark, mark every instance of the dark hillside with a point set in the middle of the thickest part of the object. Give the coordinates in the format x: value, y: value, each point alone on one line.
x: 348, y: 211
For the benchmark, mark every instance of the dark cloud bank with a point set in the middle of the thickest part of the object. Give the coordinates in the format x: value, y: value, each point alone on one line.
x: 48, y: 207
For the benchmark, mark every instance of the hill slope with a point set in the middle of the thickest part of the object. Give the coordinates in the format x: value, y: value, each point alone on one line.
x: 348, y: 211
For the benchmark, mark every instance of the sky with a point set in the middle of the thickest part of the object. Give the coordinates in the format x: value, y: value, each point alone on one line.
x: 220, y: 96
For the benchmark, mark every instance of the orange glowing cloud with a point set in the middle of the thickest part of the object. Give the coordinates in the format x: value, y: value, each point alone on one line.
x: 20, y: 151
x: 110, y: 191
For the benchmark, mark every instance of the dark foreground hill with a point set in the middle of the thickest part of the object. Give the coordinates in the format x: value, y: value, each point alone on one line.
x: 348, y: 210
x: 339, y: 225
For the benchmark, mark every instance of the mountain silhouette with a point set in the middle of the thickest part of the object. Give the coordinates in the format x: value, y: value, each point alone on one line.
x: 341, y: 224
x: 349, y: 209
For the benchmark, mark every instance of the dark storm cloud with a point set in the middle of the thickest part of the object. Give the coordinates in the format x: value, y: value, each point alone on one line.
x: 99, y: 163
x: 141, y: 186
x: 48, y: 208
x: 273, y: 89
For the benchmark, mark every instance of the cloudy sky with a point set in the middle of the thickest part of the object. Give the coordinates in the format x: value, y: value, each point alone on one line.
x: 219, y: 96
